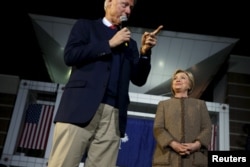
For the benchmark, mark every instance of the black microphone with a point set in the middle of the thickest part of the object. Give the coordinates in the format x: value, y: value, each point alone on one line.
x: 124, y: 21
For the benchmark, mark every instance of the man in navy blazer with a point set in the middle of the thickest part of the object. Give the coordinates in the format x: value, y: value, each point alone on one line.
x: 92, y: 113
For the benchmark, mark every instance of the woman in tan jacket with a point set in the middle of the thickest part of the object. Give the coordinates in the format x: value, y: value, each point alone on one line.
x: 182, y: 127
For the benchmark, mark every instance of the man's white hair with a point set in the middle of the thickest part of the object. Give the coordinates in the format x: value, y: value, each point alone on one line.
x: 106, y: 3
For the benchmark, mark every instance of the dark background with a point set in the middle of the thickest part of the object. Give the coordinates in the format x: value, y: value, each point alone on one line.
x: 22, y: 56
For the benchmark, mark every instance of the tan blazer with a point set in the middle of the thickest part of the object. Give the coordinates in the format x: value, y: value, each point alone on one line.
x: 182, y: 120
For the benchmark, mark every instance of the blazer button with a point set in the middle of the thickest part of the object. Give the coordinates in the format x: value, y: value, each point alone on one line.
x: 102, y: 54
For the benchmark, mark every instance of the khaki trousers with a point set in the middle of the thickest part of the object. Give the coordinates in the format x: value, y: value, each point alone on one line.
x: 100, y: 139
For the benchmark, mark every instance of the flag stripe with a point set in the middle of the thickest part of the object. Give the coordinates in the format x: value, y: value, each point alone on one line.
x: 23, y: 136
x: 33, y: 131
x: 41, y: 123
x: 38, y: 131
x: 28, y: 135
x: 45, y: 128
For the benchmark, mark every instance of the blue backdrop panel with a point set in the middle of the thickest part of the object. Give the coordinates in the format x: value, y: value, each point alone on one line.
x: 136, y: 148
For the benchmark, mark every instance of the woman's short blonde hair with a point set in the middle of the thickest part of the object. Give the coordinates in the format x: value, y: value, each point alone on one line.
x: 190, y: 77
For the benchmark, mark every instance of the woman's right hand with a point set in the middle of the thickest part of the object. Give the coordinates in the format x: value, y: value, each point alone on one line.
x: 180, y: 148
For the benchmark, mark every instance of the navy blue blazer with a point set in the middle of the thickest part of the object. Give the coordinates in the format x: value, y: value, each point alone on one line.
x: 88, y: 53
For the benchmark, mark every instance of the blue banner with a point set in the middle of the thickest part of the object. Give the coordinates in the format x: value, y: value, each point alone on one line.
x: 136, y: 148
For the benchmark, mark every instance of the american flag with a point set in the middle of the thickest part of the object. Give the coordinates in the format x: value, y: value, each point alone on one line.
x: 37, y: 125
